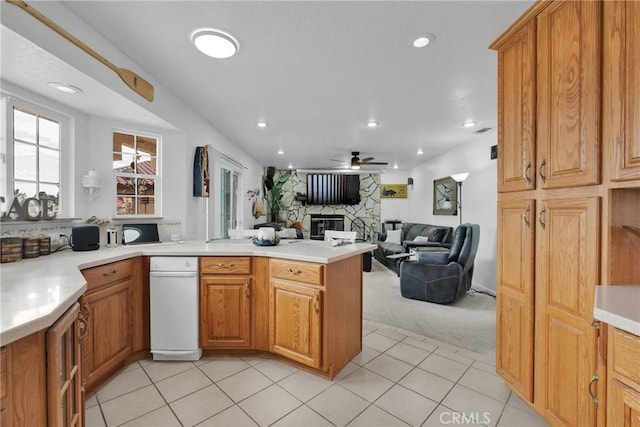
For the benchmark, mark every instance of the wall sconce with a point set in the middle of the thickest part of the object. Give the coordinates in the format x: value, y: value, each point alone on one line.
x: 410, y: 182
x: 91, y: 184
x: 459, y: 178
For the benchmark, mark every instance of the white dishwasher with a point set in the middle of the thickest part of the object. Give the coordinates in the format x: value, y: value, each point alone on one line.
x: 174, y: 308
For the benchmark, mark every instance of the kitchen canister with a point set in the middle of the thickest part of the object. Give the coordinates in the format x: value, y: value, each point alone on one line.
x: 44, y: 243
x: 11, y: 249
x: 30, y: 247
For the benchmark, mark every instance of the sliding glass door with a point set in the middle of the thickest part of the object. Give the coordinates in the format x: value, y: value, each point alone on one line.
x: 229, y: 185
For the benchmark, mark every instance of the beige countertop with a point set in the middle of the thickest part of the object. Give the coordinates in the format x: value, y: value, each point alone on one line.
x: 35, y: 292
x: 619, y: 306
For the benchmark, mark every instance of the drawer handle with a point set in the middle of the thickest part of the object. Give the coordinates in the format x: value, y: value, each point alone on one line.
x: 591, y: 381
x: 222, y: 265
x: 526, y: 173
x: 316, y: 304
x: 542, y: 175
x: 246, y: 289
x: 110, y: 273
x: 525, y: 216
x: 292, y: 271
x: 541, y: 219
x: 83, y: 327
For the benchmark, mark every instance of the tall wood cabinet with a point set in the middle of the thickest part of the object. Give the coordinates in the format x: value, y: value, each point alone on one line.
x: 550, y: 202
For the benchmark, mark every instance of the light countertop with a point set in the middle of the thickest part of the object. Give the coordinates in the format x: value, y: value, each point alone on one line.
x: 34, y: 293
x: 619, y: 306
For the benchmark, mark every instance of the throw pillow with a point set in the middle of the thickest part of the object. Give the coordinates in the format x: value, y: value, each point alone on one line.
x: 393, y: 236
x: 421, y: 239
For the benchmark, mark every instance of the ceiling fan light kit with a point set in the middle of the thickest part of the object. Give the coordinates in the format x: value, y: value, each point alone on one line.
x: 131, y: 79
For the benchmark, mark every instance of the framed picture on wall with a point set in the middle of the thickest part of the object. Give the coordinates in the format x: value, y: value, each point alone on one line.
x: 393, y: 191
x: 445, y: 196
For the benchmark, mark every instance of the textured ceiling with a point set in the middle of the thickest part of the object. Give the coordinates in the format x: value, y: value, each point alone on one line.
x: 317, y: 71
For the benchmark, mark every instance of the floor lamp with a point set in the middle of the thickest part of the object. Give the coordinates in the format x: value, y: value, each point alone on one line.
x: 459, y: 178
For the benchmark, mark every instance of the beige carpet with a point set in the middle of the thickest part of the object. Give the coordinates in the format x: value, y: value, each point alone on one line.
x: 469, y: 323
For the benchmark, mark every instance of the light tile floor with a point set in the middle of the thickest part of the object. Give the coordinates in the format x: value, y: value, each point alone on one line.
x: 399, y: 379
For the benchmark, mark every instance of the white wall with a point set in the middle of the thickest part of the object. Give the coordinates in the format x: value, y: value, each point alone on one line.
x: 479, y: 198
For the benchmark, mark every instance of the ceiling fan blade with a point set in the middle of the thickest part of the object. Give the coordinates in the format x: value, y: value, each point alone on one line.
x: 368, y: 159
x: 375, y: 163
x: 336, y: 160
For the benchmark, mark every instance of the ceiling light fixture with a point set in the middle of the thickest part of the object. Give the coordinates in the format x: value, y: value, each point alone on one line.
x: 64, y: 87
x: 395, y: 166
x: 419, y: 151
x: 355, y: 166
x: 281, y: 151
x: 372, y: 124
x: 424, y: 40
x: 469, y: 124
x: 262, y: 124
x: 214, y: 43
x: 290, y: 166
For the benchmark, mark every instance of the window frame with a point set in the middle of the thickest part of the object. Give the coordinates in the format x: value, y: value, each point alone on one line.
x: 135, y: 175
x: 66, y: 187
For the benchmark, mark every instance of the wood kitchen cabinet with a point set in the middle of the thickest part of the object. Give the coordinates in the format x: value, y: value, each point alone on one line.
x: 296, y: 313
x: 64, y: 385
x: 106, y: 308
x: 623, y: 401
x: 225, y: 302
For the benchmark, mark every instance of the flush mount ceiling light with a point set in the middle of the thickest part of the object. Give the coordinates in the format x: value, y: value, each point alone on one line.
x: 262, y: 124
x: 469, y: 124
x: 372, y: 124
x: 281, y: 151
x: 64, y: 87
x: 215, y: 43
x: 424, y: 40
x: 419, y: 151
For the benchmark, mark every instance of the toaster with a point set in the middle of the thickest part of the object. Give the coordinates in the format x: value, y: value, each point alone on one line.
x: 85, y: 237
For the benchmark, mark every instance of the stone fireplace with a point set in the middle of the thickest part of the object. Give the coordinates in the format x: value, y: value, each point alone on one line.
x: 321, y: 223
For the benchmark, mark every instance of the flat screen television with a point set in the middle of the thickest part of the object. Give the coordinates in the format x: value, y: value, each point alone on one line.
x: 333, y: 189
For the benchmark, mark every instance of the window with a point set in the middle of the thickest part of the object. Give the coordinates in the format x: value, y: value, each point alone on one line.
x: 135, y: 167
x: 35, y: 154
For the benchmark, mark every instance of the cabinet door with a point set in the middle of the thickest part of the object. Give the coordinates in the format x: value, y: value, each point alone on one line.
x: 567, y: 271
x: 64, y: 383
x: 225, y: 311
x: 623, y: 405
x: 514, y: 321
x: 294, y: 330
x: 621, y: 126
x: 107, y: 341
x: 568, y: 83
x: 516, y: 111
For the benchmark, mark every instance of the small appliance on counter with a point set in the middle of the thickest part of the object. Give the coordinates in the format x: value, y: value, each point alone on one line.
x: 112, y: 237
x: 85, y: 237
x: 135, y: 234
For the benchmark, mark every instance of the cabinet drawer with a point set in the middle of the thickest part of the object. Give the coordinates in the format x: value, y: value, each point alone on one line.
x: 297, y: 271
x: 225, y: 265
x: 108, y: 273
x: 3, y: 376
x: 626, y: 354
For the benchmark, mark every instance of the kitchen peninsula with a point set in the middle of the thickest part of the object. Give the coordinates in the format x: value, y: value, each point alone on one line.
x: 300, y: 302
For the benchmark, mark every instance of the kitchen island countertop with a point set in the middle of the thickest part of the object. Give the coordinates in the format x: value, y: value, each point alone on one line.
x: 619, y: 306
x: 34, y: 293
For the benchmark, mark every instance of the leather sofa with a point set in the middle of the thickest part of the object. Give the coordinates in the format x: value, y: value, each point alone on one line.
x: 436, y: 235
x: 442, y: 277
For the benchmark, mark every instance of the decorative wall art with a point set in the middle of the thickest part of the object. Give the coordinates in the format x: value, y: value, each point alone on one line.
x: 393, y: 191
x: 445, y: 196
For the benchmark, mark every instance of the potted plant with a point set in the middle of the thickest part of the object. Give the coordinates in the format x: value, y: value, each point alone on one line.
x: 273, y: 190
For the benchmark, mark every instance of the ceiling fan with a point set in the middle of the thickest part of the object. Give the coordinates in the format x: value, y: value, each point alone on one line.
x: 356, y: 162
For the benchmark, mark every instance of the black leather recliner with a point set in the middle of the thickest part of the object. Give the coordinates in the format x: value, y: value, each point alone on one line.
x: 442, y: 277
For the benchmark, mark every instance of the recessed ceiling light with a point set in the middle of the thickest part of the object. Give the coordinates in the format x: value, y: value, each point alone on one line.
x: 281, y: 151
x: 290, y: 166
x: 64, y: 87
x: 372, y: 123
x: 262, y: 124
x: 214, y: 43
x: 419, y: 151
x: 395, y: 166
x: 469, y: 124
x: 424, y: 40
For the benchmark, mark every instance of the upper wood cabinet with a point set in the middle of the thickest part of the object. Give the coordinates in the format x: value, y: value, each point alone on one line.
x: 516, y: 110
x: 621, y: 100
x: 568, y: 94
